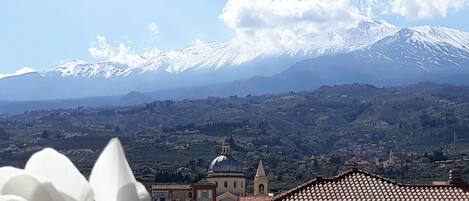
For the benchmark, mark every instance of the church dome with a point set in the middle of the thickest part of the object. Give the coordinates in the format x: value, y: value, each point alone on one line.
x: 225, y: 163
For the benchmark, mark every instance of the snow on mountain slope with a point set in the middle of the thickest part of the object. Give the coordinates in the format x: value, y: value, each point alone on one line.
x: 368, y: 32
x: 436, y: 42
x: 81, y: 68
x: 429, y: 48
x: 372, y: 49
x: 21, y: 71
x: 372, y: 52
x: 202, y: 55
x: 418, y: 54
x: 214, y: 56
x: 438, y: 36
x: 431, y: 35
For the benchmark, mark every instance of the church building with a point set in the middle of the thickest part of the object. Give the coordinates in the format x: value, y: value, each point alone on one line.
x: 226, y: 172
x: 261, y: 187
x: 261, y: 182
x: 226, y: 181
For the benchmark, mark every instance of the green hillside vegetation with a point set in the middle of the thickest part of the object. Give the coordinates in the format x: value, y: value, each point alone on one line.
x: 298, y: 135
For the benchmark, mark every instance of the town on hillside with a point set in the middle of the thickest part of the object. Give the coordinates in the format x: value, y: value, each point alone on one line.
x: 226, y: 181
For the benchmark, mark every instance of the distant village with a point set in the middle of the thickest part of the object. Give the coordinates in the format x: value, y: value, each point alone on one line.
x: 226, y: 181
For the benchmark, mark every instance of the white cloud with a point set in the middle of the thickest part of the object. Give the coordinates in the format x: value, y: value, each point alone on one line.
x: 424, y: 9
x: 104, y: 49
x: 288, y: 23
x: 123, y: 54
x: 304, y: 24
x: 127, y: 56
x: 372, y: 8
x: 20, y: 71
x: 272, y: 26
x: 153, y: 28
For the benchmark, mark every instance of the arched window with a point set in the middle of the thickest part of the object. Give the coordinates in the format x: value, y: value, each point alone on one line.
x: 261, y: 188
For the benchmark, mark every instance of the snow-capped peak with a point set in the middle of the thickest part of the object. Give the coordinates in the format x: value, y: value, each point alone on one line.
x: 368, y: 31
x: 433, y: 35
x: 70, y: 67
x: 427, y: 47
x: 20, y: 71
x: 105, y: 69
x: 213, y: 56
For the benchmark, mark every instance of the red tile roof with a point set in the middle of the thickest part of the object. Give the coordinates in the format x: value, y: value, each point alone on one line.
x: 360, y: 185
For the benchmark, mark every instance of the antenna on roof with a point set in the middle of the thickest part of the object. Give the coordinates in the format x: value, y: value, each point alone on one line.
x: 454, y: 150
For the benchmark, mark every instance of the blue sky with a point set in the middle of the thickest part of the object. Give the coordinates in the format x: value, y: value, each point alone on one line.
x: 41, y: 34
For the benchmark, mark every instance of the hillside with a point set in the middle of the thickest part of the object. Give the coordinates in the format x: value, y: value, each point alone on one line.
x: 289, y: 131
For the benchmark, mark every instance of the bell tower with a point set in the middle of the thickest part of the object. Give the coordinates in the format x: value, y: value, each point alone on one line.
x: 225, y: 147
x: 261, y: 182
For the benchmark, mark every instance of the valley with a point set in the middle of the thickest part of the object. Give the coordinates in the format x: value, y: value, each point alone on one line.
x: 298, y: 134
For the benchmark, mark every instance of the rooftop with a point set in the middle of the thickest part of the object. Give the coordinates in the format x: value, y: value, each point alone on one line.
x: 225, y: 163
x: 360, y: 185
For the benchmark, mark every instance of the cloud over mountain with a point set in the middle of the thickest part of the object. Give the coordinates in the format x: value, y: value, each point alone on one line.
x: 288, y: 24
x: 422, y: 9
x: 153, y: 28
x: 278, y: 27
x: 122, y: 54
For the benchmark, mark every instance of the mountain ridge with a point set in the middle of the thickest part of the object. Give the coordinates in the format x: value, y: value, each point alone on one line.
x: 406, y: 56
x: 206, y: 55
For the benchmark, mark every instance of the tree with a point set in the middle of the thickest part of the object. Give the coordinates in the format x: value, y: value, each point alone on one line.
x: 45, y: 134
x: 3, y: 134
x: 273, y: 160
x: 301, y: 173
x: 437, y: 155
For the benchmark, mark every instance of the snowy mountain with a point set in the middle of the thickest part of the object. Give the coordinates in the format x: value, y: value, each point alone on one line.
x: 22, y: 71
x: 200, y: 64
x: 408, y: 56
x: 372, y: 51
x: 411, y: 55
x: 209, y: 56
x: 428, y: 48
x: 101, y: 69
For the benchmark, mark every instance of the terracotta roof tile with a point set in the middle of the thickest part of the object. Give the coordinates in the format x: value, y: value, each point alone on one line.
x: 360, y: 185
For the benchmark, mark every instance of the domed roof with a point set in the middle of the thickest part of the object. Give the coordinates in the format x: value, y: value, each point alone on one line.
x: 225, y: 163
